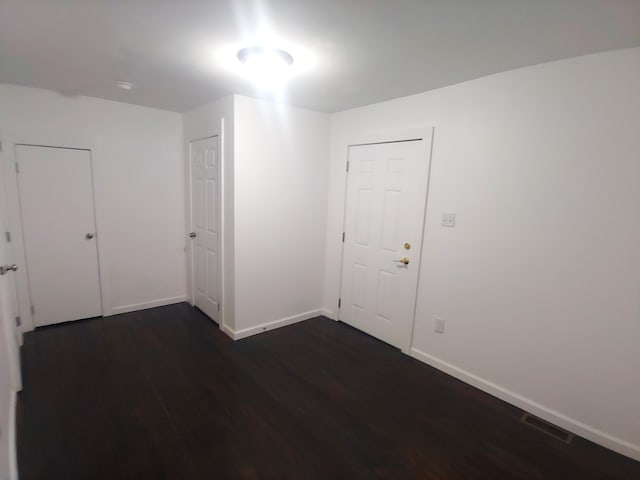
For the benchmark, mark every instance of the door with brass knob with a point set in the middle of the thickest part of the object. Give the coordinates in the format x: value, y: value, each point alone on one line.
x: 384, y: 219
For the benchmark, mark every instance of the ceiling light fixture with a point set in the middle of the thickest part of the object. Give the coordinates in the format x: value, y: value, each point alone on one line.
x: 266, y: 57
x: 128, y: 86
x: 269, y: 68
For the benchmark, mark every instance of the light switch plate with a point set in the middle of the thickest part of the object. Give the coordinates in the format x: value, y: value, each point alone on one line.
x: 439, y: 328
x: 448, y: 220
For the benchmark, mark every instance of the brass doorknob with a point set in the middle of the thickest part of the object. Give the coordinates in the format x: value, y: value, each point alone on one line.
x: 403, y: 260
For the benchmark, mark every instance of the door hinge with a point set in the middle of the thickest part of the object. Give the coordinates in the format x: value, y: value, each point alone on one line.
x: 347, y: 165
x: 33, y: 310
x: 8, y: 235
x: 18, y: 321
x: 218, y: 307
x: 17, y: 168
x: 339, y: 302
x: 342, y: 237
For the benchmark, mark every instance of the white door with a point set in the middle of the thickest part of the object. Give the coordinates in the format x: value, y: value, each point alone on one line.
x: 384, y: 220
x: 9, y: 335
x: 7, y: 258
x: 10, y: 377
x: 59, y: 229
x: 205, y: 220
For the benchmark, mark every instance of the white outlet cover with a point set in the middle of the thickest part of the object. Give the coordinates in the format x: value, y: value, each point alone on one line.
x: 439, y: 325
x: 448, y: 220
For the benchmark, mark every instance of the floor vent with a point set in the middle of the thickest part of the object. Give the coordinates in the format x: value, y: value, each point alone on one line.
x: 548, y: 428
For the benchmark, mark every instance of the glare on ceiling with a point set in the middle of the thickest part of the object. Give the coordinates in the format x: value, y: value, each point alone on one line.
x: 268, y: 67
x: 266, y: 60
x: 266, y: 57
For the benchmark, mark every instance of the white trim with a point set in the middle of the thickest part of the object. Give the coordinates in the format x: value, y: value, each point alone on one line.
x: 13, y: 450
x: 404, y: 135
x: 144, y: 305
x: 264, y: 327
x: 11, y: 138
x: 328, y: 313
x: 591, y: 433
x: 229, y: 331
x: 222, y: 242
x: 189, y: 241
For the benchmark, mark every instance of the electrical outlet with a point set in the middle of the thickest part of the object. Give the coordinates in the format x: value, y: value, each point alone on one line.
x: 448, y: 220
x: 439, y: 325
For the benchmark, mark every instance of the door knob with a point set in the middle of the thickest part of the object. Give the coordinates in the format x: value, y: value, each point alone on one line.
x: 192, y: 235
x: 89, y: 236
x: 4, y: 269
x: 403, y: 260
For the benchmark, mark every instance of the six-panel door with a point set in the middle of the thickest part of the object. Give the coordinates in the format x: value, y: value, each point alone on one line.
x: 205, y: 192
x: 384, y: 219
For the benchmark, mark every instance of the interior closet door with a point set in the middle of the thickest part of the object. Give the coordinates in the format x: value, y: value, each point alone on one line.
x: 10, y: 337
x: 59, y: 229
x: 205, y: 219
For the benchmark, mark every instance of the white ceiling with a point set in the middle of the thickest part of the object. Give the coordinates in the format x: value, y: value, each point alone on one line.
x: 358, y: 51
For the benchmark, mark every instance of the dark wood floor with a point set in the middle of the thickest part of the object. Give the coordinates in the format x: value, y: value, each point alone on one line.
x: 163, y: 394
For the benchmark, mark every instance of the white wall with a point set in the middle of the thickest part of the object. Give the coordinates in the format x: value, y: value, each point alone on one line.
x: 539, y: 280
x: 280, y: 213
x: 216, y: 118
x: 139, y: 186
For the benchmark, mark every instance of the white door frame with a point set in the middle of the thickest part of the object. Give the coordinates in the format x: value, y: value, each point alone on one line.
x: 11, y: 138
x: 221, y: 251
x: 372, y: 138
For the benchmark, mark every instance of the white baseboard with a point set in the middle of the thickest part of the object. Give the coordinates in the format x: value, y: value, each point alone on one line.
x: 597, y: 436
x: 144, y: 305
x: 328, y: 313
x: 228, y: 330
x: 264, y: 327
x: 13, y: 449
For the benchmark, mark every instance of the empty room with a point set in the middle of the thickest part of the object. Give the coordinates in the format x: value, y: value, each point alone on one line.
x: 323, y: 239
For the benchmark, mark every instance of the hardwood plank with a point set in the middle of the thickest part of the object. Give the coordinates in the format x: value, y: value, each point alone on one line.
x: 163, y: 394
